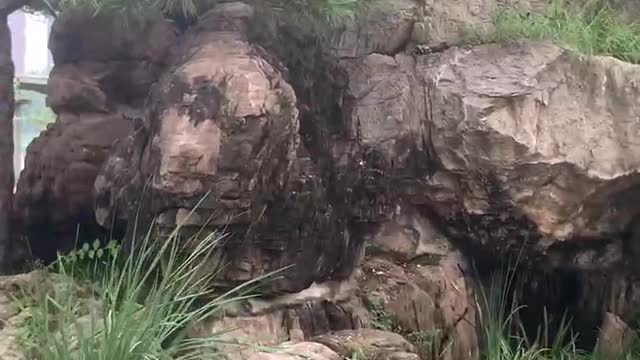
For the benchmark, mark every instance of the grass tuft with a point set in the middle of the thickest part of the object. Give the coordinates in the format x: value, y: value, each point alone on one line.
x: 138, y: 307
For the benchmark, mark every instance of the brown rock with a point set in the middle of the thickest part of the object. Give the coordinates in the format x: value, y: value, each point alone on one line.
x: 100, y: 86
x: 299, y: 351
x: 383, y: 28
x: 500, y: 128
x: 374, y: 344
x: 78, y: 35
x: 432, y: 300
x: 293, y: 317
x: 54, y: 197
x: 616, y: 337
x: 244, y: 334
x: 224, y: 121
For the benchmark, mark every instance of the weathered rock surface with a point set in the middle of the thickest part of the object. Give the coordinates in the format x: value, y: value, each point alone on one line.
x: 55, y: 190
x: 373, y: 344
x: 299, y: 351
x: 304, y: 155
x: 224, y: 121
x: 500, y: 119
x: 101, y: 79
x: 616, y: 337
x: 292, y: 317
x: 389, y: 27
x: 414, y: 275
x: 100, y: 86
x: 78, y: 35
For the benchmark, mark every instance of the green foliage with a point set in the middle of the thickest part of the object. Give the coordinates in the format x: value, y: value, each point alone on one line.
x: 138, y: 308
x: 89, y: 262
x: 382, y: 320
x: 593, y: 28
x: 429, y: 344
x: 357, y: 355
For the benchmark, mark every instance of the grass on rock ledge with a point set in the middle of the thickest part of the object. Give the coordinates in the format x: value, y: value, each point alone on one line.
x: 593, y: 28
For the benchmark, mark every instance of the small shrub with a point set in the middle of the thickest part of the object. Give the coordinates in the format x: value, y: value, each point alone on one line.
x: 382, y: 320
x: 89, y: 262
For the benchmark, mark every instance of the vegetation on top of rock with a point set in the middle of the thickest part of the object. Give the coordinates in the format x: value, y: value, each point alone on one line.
x: 594, y: 28
x: 313, y: 11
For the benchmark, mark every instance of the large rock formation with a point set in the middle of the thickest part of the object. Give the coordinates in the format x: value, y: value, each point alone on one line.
x: 223, y: 122
x: 372, y: 174
x: 97, y: 89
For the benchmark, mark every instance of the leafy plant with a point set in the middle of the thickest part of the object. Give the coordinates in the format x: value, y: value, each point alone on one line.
x: 430, y: 344
x: 357, y: 355
x: 382, y: 320
x: 89, y: 262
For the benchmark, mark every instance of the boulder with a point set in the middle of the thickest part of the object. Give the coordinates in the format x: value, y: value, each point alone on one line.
x: 389, y: 27
x: 100, y: 86
x: 495, y: 115
x: 291, y: 317
x: 427, y: 292
x: 373, y: 344
x: 79, y: 35
x: 224, y: 123
x: 105, y: 66
x: 385, y: 27
x: 54, y: 197
x: 298, y: 351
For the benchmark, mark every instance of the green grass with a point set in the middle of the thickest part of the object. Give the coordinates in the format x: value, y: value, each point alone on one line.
x: 136, y: 307
x: 591, y: 29
x: 357, y: 355
x: 503, y: 337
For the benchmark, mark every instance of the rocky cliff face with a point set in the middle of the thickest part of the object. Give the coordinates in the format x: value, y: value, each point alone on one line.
x: 376, y: 176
